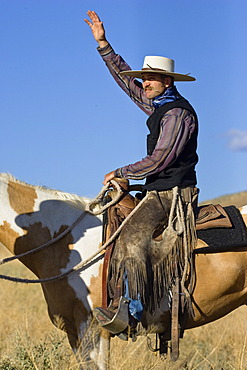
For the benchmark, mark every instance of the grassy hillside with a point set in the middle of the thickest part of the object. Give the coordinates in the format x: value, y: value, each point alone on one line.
x: 236, y: 199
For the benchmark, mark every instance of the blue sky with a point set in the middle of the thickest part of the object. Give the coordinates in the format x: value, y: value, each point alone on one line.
x: 65, y: 123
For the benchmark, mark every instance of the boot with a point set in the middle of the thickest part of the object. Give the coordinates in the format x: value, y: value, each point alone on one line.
x: 105, y: 315
x: 113, y: 319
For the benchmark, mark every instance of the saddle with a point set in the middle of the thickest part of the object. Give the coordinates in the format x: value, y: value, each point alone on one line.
x: 208, y: 217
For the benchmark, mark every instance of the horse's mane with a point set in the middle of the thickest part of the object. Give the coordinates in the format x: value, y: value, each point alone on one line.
x: 6, y: 177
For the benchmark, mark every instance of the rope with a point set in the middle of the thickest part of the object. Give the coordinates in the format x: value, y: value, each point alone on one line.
x: 177, y: 207
x: 83, y: 263
x: 97, y: 200
x: 92, y: 203
x: 46, y: 280
x: 185, y: 244
x: 47, y: 244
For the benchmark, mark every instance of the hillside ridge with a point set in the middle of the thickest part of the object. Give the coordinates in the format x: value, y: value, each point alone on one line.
x: 236, y: 199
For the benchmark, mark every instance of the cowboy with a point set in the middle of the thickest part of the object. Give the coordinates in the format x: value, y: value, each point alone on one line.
x: 171, y: 149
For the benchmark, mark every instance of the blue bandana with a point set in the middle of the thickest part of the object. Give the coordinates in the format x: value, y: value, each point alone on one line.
x: 168, y: 96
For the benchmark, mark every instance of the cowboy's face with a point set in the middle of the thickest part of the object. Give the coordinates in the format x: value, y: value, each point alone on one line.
x: 154, y: 84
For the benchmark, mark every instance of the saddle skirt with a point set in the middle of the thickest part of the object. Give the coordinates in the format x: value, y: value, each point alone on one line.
x: 212, y: 216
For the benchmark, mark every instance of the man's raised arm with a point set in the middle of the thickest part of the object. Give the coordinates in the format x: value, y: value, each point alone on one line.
x: 116, y: 64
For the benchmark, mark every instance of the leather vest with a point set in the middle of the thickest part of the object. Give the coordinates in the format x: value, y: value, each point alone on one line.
x: 181, y: 172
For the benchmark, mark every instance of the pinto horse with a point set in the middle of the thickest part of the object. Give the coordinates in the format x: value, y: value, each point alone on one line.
x: 33, y: 216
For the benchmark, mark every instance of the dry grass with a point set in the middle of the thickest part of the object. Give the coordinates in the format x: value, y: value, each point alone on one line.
x: 28, y: 340
x: 219, y: 345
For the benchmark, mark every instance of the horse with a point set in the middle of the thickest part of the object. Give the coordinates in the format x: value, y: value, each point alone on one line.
x: 51, y: 232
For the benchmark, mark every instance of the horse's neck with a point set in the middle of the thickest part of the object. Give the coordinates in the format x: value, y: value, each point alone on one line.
x: 36, y: 215
x: 31, y: 217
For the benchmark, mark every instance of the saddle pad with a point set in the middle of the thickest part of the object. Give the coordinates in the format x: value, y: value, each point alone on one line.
x: 223, y: 239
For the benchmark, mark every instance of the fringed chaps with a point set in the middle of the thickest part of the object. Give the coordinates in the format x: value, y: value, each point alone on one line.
x: 157, y: 240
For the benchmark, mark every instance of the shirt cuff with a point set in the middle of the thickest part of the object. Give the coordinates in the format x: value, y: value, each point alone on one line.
x: 118, y: 173
x: 106, y: 50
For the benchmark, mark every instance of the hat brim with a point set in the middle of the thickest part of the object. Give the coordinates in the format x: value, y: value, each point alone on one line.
x: 176, y: 76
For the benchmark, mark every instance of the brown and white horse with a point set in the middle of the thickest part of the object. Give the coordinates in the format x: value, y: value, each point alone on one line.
x: 31, y: 216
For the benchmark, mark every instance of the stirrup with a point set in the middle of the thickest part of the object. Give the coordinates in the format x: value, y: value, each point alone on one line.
x: 120, y: 320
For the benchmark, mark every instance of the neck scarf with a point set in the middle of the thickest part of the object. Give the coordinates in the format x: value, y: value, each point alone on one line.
x: 168, y: 96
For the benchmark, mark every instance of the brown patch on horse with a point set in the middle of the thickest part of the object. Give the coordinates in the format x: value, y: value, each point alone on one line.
x: 17, y: 193
x: 220, y: 286
x: 37, y: 235
x: 95, y: 288
x: 8, y: 236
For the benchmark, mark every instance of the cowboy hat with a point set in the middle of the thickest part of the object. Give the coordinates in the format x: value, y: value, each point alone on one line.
x: 161, y: 65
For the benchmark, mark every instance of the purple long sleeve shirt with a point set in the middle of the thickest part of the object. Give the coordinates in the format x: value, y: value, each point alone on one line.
x: 176, y: 126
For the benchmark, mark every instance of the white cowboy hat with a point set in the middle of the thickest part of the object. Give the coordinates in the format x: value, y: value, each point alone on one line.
x: 161, y: 65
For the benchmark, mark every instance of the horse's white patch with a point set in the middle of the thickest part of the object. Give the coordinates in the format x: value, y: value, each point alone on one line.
x: 54, y: 213
x: 84, y: 247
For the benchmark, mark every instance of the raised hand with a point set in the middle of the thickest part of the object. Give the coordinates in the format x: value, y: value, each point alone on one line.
x: 97, y: 28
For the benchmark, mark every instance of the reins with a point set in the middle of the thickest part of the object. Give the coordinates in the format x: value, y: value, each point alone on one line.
x: 88, y: 209
x: 96, y: 201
